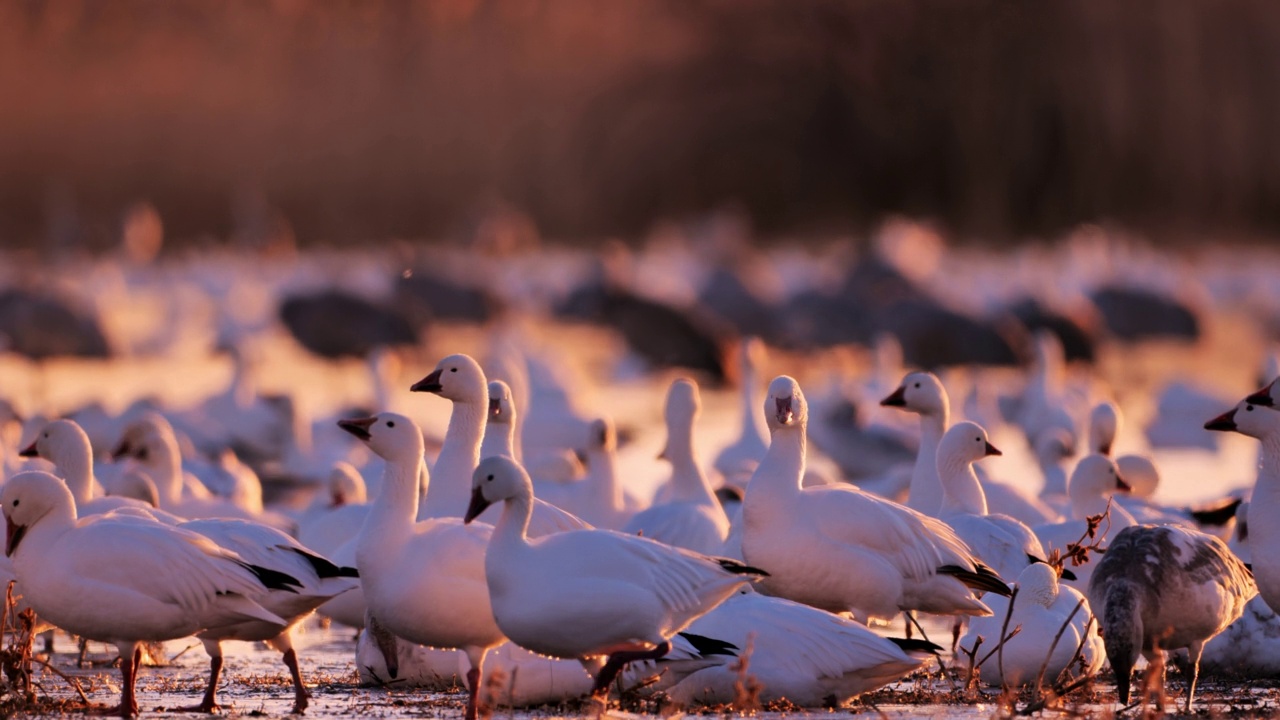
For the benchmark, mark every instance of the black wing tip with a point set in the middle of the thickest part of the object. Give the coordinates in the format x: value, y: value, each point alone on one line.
x: 739, y: 568
x: 984, y: 579
x: 916, y: 646
x: 1220, y: 515
x: 324, y: 567
x: 710, y: 646
x: 273, y: 579
x: 1063, y: 572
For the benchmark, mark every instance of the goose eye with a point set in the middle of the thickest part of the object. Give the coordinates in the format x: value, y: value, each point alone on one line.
x: 917, y: 384
x: 489, y: 479
x: 977, y: 439
x: 1248, y: 408
x: 15, y: 503
x: 391, y: 423
x: 453, y: 369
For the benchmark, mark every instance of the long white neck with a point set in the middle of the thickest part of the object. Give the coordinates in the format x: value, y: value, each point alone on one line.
x: 75, y: 465
x: 393, y: 512
x: 27, y: 558
x: 451, y: 486
x: 499, y: 439
x: 602, y: 478
x: 243, y: 387
x: 511, y: 532
x: 164, y: 464
x: 1264, y: 521
x: 961, y: 491
x: 1055, y: 477
x: 778, y: 476
x: 925, y: 494
x: 1084, y: 503
x: 688, y: 482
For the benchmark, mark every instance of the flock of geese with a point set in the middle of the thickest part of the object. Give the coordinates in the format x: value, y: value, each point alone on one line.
x: 517, y: 555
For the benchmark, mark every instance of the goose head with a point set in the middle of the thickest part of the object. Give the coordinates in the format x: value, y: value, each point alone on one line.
x: 964, y: 443
x: 1039, y: 584
x: 497, y: 478
x: 137, y: 485
x: 59, y: 442
x: 143, y: 438
x: 1053, y: 446
x: 502, y: 408
x: 29, y: 497
x: 602, y: 437
x: 785, y: 406
x: 919, y: 392
x: 684, y: 402
x: 1251, y: 416
x: 1268, y: 396
x: 1104, y: 425
x: 457, y: 378
x: 1095, y: 477
x: 393, y: 437
x: 346, y: 486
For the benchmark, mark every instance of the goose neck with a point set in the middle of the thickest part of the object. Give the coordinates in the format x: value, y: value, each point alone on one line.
x: 687, y: 479
x: 780, y: 472
x: 961, y: 491
x: 76, y: 468
x: 512, y: 528
x: 499, y: 439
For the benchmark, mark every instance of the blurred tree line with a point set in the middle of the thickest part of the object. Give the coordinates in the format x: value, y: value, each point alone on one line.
x: 354, y: 120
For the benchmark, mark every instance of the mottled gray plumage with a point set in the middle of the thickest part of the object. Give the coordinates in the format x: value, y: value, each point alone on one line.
x: 1169, y: 587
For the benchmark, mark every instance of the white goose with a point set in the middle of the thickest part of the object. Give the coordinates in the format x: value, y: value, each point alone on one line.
x: 1172, y: 585
x: 738, y: 460
x: 840, y: 549
x: 807, y: 656
x: 693, y: 518
x: 337, y: 514
x: 923, y: 393
x: 65, y: 444
x: 423, y: 581
x: 459, y: 378
x: 1000, y: 541
x: 1093, y: 483
x: 1138, y: 471
x: 124, y: 580
x: 151, y: 443
x: 590, y: 594
x: 1041, y: 609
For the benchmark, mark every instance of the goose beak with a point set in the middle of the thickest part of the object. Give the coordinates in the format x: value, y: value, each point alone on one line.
x: 1121, y: 485
x: 1224, y: 422
x: 495, y: 406
x: 785, y: 414
x: 1262, y: 397
x: 897, y: 399
x: 430, y: 383
x: 1104, y: 449
x: 122, y: 450
x: 30, y: 451
x: 339, y: 499
x: 664, y: 455
x: 992, y: 449
x: 12, y: 536
x: 477, y: 506
x: 358, y: 426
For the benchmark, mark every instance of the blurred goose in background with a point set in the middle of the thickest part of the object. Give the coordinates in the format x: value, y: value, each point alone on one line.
x: 816, y: 541
x: 737, y: 460
x: 1094, y: 482
x: 64, y: 444
x: 1170, y: 587
x: 692, y: 518
x: 337, y: 514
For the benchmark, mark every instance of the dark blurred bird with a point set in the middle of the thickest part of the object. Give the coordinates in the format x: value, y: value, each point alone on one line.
x: 42, y: 325
x: 1138, y: 314
x: 426, y: 296
x: 335, y: 324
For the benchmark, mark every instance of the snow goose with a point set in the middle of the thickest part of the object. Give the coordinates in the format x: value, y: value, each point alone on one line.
x: 840, y: 549
x: 1255, y: 417
x: 1093, y: 482
x: 423, y: 581
x: 1138, y: 471
x: 806, y: 656
x: 337, y: 514
x: 152, y: 445
x: 693, y: 518
x: 459, y: 378
x: 125, y: 580
x: 315, y: 580
x: 738, y: 460
x: 923, y: 393
x: 65, y: 444
x: 590, y: 594
x: 1000, y: 541
x: 1041, y: 609
x: 1167, y: 587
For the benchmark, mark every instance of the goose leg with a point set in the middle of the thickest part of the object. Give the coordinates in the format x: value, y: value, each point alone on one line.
x: 300, y: 694
x: 1195, y: 650
x: 130, y: 656
x: 476, y: 656
x: 210, y: 701
x: 619, y: 660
